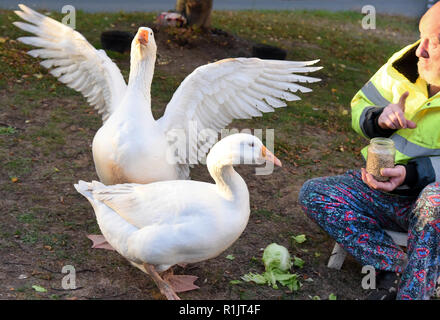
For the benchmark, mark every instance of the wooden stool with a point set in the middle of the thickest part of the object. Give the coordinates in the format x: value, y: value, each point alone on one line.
x: 338, y: 254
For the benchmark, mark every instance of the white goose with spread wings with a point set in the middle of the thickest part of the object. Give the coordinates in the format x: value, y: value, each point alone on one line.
x: 132, y: 146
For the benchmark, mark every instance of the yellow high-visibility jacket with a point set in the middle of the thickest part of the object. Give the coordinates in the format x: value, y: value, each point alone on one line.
x: 419, y: 148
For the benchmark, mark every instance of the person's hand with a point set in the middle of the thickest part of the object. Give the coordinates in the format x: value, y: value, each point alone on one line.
x: 393, y: 116
x: 397, y: 176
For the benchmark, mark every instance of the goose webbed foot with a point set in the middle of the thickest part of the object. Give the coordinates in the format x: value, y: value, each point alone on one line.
x: 180, y: 283
x: 99, y: 242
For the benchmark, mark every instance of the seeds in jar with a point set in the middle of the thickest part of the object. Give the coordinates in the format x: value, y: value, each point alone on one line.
x: 378, y: 159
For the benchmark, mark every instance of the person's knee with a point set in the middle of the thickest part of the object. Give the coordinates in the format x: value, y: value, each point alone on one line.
x: 305, y: 194
x: 430, y: 190
x: 305, y: 198
x: 429, y: 201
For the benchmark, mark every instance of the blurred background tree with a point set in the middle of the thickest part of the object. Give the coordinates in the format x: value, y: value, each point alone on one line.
x: 197, y: 12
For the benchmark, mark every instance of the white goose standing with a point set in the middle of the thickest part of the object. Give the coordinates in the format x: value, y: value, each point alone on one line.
x: 160, y: 224
x: 132, y: 146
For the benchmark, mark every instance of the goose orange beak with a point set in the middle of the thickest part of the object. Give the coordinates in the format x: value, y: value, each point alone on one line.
x: 143, y: 37
x: 269, y: 156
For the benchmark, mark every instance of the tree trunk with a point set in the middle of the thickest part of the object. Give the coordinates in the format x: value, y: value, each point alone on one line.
x: 197, y: 12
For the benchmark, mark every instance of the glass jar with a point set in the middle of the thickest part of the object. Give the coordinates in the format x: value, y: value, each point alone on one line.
x: 381, y: 154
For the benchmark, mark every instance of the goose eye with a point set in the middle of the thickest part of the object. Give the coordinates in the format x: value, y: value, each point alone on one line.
x: 252, y: 144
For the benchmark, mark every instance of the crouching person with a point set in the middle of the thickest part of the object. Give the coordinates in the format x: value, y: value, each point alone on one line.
x: 400, y: 102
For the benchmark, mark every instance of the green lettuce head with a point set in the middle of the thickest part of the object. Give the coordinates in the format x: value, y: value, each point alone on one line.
x: 277, y: 262
x: 276, y: 257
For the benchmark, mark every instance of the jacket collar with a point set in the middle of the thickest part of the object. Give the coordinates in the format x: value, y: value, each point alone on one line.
x: 406, y: 64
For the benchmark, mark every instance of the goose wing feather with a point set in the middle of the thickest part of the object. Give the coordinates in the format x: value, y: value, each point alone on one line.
x: 73, y: 60
x: 215, y: 94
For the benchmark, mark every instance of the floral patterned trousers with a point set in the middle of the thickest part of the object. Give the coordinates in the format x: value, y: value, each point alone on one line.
x: 355, y: 216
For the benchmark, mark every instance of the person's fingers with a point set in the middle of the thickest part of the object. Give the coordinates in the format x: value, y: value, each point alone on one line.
x: 377, y: 185
x: 391, y: 121
x: 400, y: 119
x: 381, y: 186
x: 391, y: 172
x: 385, y: 186
x: 411, y: 124
x: 371, y: 181
x: 402, y: 100
x: 363, y: 171
x: 394, y: 116
x: 390, y: 124
x: 364, y: 177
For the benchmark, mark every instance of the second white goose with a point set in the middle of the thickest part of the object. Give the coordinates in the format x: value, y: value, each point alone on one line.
x: 158, y: 225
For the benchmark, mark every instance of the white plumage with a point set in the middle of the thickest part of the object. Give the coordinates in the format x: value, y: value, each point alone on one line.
x: 132, y: 146
x: 75, y: 61
x: 170, y: 222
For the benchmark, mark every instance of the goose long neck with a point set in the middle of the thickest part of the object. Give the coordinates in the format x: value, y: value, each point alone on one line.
x: 229, y: 183
x: 141, y: 76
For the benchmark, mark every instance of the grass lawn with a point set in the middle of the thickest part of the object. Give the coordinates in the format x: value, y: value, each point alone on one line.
x: 46, y: 131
